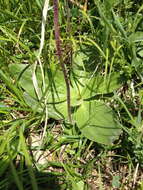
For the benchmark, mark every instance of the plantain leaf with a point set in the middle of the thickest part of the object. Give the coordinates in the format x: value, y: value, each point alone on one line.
x: 32, y: 102
x: 99, y: 85
x: 23, y: 75
x: 97, y: 122
x: 94, y: 119
x: 55, y: 90
x: 136, y: 37
x: 55, y: 85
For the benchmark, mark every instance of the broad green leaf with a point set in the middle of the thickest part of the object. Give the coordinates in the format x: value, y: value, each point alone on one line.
x: 23, y: 75
x: 136, y: 37
x: 58, y: 111
x: 55, y: 84
x: 56, y: 93
x: 98, y: 85
x: 33, y: 103
x: 55, y: 90
x: 97, y: 122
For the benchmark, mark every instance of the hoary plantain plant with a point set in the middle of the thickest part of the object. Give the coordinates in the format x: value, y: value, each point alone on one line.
x: 94, y: 118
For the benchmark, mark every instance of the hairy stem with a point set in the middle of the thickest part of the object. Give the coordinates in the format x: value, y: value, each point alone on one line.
x: 59, y: 54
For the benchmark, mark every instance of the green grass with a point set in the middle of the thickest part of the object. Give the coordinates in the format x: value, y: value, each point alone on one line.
x: 39, y: 148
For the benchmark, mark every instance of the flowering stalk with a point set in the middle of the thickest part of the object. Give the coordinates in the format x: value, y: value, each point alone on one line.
x: 59, y: 54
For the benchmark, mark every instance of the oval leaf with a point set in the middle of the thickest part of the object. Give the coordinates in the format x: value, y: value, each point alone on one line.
x: 97, y: 122
x: 99, y: 85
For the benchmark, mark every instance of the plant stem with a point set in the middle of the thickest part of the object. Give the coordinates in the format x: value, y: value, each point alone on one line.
x: 59, y: 54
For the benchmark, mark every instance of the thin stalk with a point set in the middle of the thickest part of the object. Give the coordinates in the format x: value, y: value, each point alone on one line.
x: 59, y: 54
